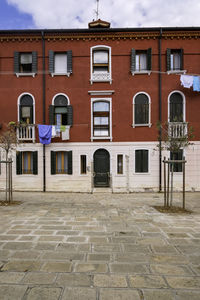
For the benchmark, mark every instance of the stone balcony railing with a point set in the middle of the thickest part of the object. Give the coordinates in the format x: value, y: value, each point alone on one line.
x: 177, y: 130
x: 26, y: 133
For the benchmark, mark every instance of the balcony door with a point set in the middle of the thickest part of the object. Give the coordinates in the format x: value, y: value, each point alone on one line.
x: 101, y: 168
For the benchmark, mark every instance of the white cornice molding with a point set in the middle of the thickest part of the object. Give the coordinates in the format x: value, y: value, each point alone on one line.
x: 101, y: 93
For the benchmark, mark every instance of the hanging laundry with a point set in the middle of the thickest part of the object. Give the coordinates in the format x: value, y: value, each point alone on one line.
x: 65, y: 134
x: 45, y: 134
x: 55, y: 133
x: 196, y: 84
x: 186, y: 81
x: 62, y: 128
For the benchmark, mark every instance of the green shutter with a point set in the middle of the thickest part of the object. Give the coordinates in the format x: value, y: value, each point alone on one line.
x: 35, y: 162
x: 18, y: 163
x: 168, y: 59
x: 69, y: 115
x: 149, y: 59
x: 16, y: 61
x: 70, y: 162
x: 34, y: 61
x: 53, y: 162
x: 69, y: 61
x: 144, y: 161
x: 133, y: 62
x: 181, y: 59
x: 138, y: 160
x: 51, y: 115
x: 51, y: 61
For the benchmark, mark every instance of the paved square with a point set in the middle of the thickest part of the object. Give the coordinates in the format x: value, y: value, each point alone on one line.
x: 102, y: 246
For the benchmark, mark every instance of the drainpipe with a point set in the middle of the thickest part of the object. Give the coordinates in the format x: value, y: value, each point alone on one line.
x: 44, y: 106
x: 160, y: 109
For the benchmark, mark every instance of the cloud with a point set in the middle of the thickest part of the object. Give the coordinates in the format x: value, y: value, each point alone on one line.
x: 121, y: 13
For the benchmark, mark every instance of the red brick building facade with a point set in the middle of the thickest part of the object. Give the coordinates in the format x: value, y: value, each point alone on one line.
x: 107, y: 89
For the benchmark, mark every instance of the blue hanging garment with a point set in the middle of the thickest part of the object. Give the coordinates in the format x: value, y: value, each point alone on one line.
x: 196, y: 84
x: 45, y: 134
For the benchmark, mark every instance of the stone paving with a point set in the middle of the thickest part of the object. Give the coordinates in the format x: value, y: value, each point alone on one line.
x: 57, y: 246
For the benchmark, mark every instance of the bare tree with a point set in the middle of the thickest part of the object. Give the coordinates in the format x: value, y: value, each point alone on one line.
x: 8, y: 142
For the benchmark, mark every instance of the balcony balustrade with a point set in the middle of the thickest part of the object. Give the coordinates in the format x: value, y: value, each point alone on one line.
x: 177, y: 130
x: 26, y: 133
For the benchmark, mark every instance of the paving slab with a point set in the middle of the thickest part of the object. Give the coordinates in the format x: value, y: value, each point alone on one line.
x: 99, y: 246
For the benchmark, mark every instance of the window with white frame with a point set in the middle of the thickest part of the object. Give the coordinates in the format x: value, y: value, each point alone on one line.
x: 101, y: 119
x: 141, y: 161
x: 60, y: 63
x: 176, y: 108
x: 100, y: 63
x: 141, y: 110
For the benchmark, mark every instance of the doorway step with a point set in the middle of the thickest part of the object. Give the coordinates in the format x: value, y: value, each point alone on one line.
x: 104, y: 190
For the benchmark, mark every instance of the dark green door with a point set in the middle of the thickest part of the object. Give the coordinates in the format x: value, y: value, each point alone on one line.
x: 101, y: 168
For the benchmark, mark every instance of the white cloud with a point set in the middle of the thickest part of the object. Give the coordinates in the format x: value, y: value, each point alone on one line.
x: 121, y: 13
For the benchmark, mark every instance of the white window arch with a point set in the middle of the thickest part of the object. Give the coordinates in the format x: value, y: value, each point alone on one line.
x: 176, y: 107
x: 100, y: 64
x: 26, y: 108
x: 62, y: 96
x: 141, y: 109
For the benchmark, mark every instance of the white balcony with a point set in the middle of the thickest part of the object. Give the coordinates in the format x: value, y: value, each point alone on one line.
x: 26, y: 133
x: 177, y: 130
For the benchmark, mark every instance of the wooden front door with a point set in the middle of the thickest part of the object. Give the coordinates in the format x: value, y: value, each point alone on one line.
x: 101, y: 168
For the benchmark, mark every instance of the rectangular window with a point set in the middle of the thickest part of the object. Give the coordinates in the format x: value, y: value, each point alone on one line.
x: 60, y: 115
x: 141, y: 161
x: 178, y: 155
x: 60, y: 63
x: 83, y: 162
x: 61, y: 162
x: 25, y: 63
x: 174, y: 59
x: 141, y: 61
x: 101, y: 118
x: 119, y: 164
x: 100, y: 61
x: 27, y: 162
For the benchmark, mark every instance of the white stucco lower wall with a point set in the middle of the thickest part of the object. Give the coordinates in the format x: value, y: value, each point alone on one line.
x: 129, y: 181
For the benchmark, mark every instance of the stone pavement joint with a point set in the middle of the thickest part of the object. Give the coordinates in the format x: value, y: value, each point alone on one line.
x: 60, y: 246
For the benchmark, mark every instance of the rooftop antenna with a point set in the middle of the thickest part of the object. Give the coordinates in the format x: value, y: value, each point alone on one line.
x: 97, y: 10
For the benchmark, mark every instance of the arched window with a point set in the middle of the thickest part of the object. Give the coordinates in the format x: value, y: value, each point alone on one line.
x: 60, y: 113
x: 101, y: 119
x: 141, y: 107
x: 176, y: 108
x: 26, y: 111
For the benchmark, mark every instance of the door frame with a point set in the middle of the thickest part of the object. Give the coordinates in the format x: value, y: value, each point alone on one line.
x: 107, y: 154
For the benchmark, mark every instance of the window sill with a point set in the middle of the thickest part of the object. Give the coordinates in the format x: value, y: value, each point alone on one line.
x: 142, y: 125
x: 141, y: 72
x: 176, y: 72
x: 60, y: 74
x: 25, y: 74
x: 144, y: 173
x: 101, y: 138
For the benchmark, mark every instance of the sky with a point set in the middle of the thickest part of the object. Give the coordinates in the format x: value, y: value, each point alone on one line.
x: 49, y: 14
